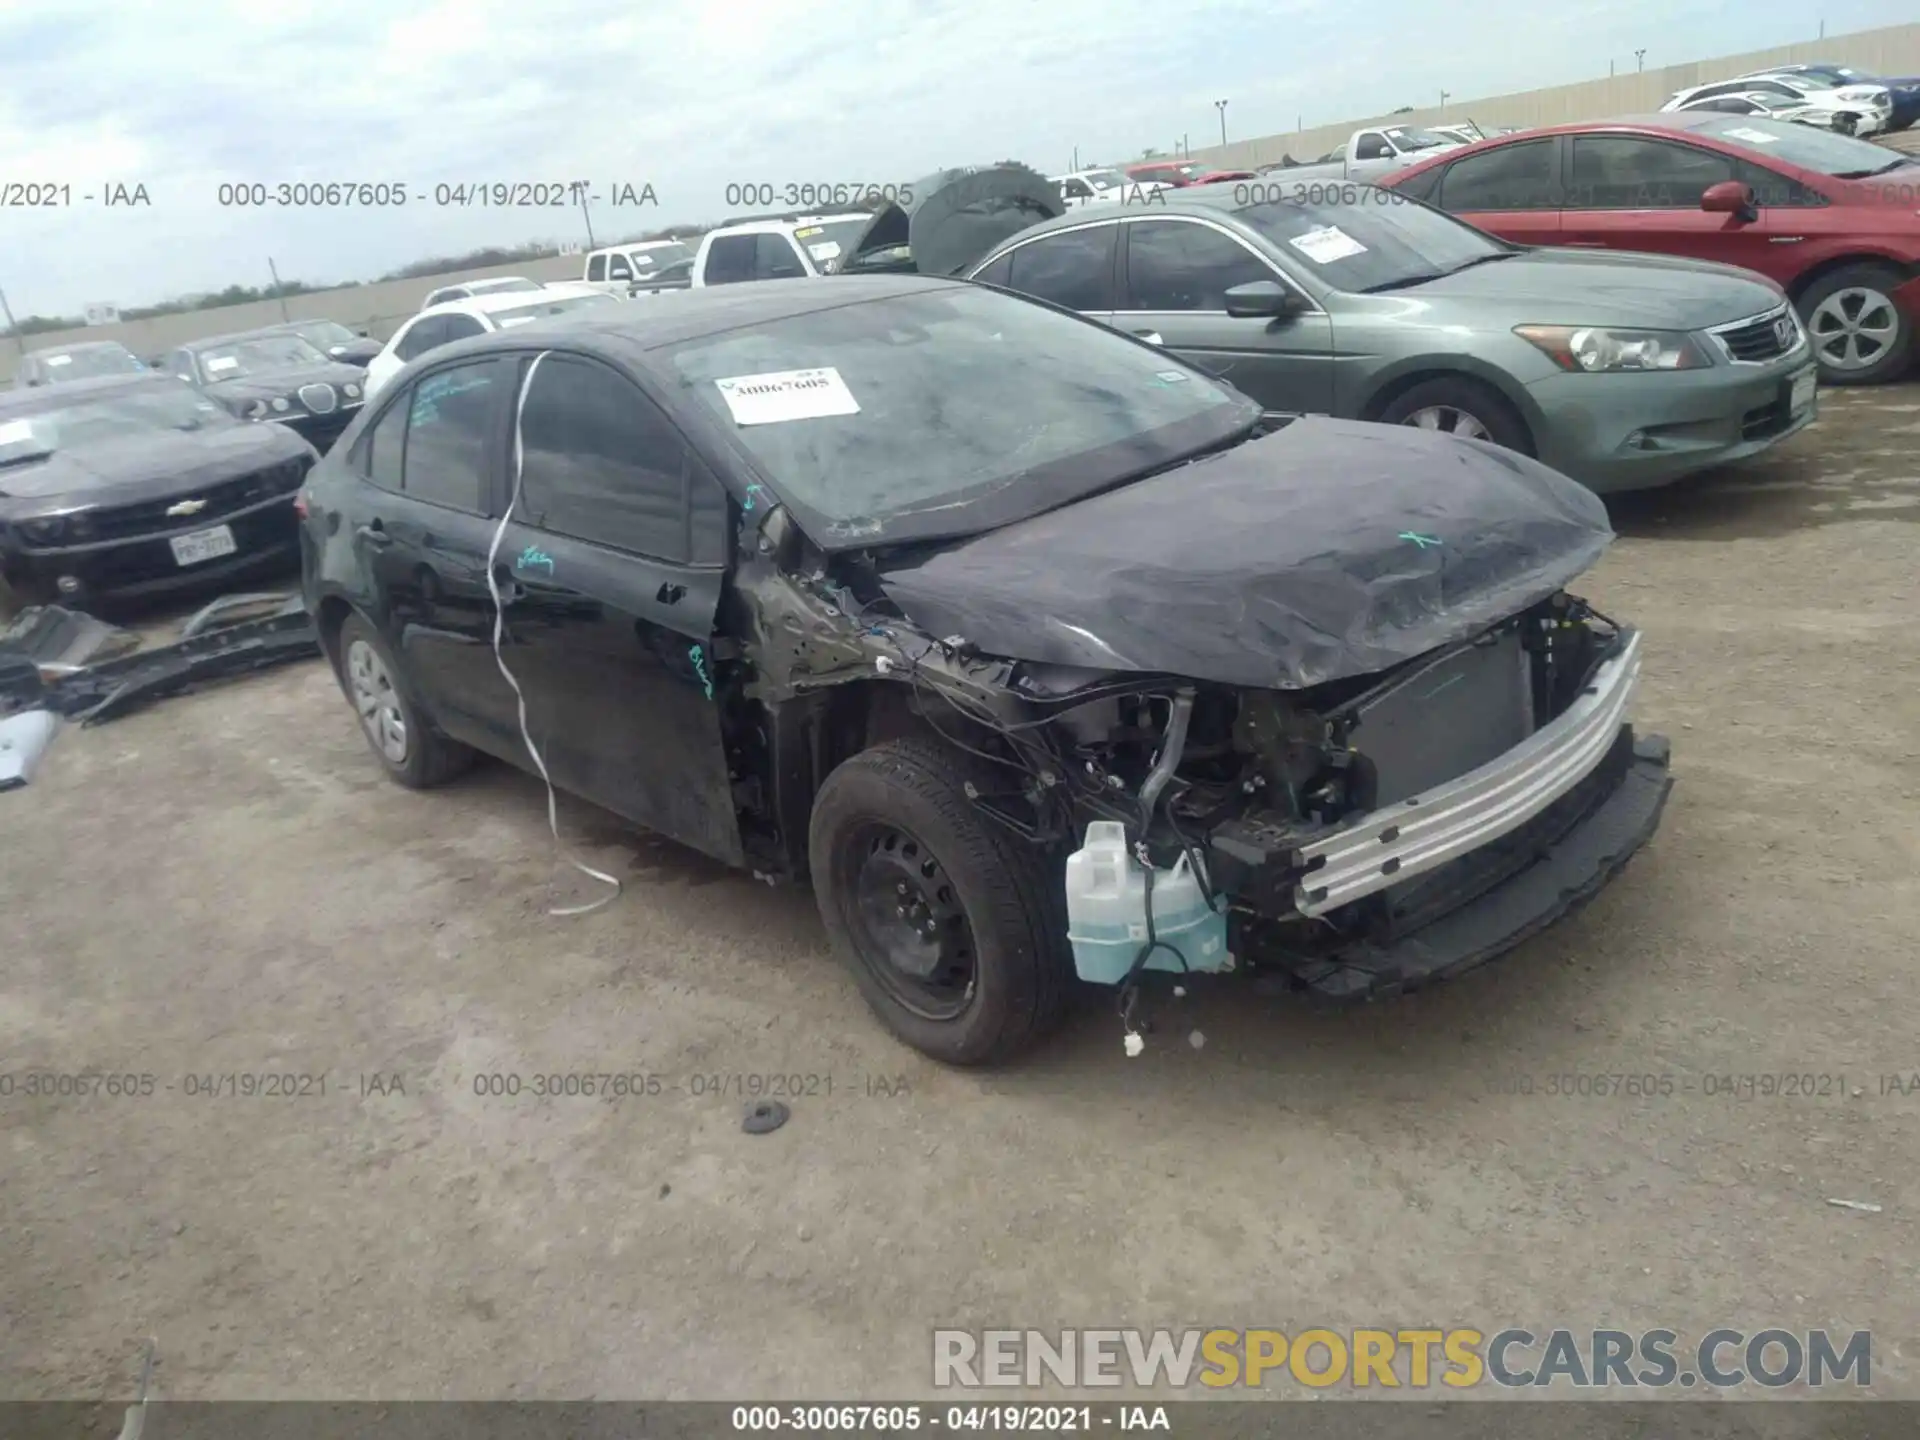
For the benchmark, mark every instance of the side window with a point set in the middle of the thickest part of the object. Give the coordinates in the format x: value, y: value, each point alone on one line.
x: 1513, y: 177
x: 421, y: 337
x: 775, y: 258
x: 602, y: 463
x: 1372, y: 146
x: 997, y: 272
x: 1076, y: 189
x: 385, y: 442
x: 181, y: 364
x: 1074, y: 269
x: 458, y: 327
x: 1619, y: 172
x: 597, y: 267
x: 618, y: 268
x: 1772, y: 188
x: 730, y: 260
x: 1173, y: 265
x: 449, y: 420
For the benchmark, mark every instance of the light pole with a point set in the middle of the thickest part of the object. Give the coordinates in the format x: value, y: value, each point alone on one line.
x: 1445, y: 95
x: 1639, y: 61
x: 1221, y: 106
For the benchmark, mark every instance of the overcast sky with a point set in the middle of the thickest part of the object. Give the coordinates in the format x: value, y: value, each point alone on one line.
x: 692, y: 94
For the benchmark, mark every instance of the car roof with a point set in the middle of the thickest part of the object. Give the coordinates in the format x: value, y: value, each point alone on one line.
x: 781, y: 227
x: 53, y: 397
x: 207, y: 342
x: 507, y: 300
x: 79, y: 345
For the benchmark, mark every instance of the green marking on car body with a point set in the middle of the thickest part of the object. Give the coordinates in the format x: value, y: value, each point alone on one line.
x: 1425, y: 542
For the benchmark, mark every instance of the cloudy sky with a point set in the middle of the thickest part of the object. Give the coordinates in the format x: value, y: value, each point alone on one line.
x: 690, y: 94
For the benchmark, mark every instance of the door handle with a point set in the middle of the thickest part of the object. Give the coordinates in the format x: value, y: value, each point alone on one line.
x: 374, y: 535
x: 509, y: 588
x: 1152, y: 337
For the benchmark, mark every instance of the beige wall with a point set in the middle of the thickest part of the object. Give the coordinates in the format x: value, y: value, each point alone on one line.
x: 1894, y: 50
x: 376, y: 309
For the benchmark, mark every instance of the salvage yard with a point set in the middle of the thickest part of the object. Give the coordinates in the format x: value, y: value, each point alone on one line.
x: 225, y: 886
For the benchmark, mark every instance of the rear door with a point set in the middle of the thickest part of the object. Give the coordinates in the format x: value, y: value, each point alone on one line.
x: 1174, y: 275
x: 615, y: 558
x: 1632, y: 192
x: 432, y: 460
x: 1512, y: 191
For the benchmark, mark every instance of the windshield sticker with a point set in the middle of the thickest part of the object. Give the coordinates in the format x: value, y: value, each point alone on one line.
x: 1326, y: 244
x: 59, y: 359
x: 804, y: 231
x: 220, y: 364
x: 781, y: 395
x: 1171, y: 377
x: 1752, y: 137
x: 824, y: 250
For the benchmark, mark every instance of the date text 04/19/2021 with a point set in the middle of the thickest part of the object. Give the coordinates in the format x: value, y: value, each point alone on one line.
x: 884, y: 1419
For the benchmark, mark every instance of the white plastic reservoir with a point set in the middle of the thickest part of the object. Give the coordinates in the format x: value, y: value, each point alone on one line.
x: 1107, y: 912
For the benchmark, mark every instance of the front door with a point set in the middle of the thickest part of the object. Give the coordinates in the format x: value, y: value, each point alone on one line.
x: 614, y: 561
x: 1626, y: 192
x: 1174, y: 277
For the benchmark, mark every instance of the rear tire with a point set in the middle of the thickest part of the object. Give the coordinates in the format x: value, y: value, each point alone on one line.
x: 1859, y: 336
x: 410, y: 750
x: 909, y: 874
x: 1459, y: 405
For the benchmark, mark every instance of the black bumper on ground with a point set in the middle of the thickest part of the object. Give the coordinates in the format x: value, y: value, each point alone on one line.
x: 1568, y: 871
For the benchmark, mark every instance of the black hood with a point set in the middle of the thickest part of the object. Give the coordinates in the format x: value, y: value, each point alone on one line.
x: 144, y: 467
x: 357, y: 352
x: 270, y: 384
x: 1331, y: 549
x: 958, y: 216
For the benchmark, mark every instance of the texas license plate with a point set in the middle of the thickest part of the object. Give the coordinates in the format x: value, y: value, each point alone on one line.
x: 201, y: 545
x: 1801, y: 399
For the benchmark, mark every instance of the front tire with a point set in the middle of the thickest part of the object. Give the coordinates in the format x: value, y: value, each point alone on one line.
x: 1859, y: 336
x: 1458, y: 405
x: 948, y: 921
x: 410, y: 750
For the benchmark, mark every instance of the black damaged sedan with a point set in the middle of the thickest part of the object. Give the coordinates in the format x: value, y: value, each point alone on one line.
x: 1042, y: 655
x: 129, y: 487
x: 274, y: 376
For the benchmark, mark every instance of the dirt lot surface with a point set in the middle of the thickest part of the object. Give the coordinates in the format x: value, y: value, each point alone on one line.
x: 225, y: 886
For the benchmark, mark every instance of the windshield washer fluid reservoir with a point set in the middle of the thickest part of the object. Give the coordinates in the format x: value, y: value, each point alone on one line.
x: 1107, y: 912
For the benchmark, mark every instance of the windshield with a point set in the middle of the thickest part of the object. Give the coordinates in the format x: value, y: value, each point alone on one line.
x: 324, y: 333
x: 89, y: 361
x: 831, y: 241
x: 546, y: 309
x: 1411, y: 137
x: 1369, y: 245
x: 1104, y: 179
x: 654, y: 255
x: 949, y: 412
x: 236, y: 359
x: 1821, y: 151
x: 503, y: 286
x: 179, y: 408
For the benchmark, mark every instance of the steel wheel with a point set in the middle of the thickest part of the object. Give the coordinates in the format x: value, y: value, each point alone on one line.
x: 908, y: 927
x: 374, y: 697
x: 1852, y: 329
x: 1449, y: 419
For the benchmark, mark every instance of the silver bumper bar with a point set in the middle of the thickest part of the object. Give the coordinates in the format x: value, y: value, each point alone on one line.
x: 1416, y: 835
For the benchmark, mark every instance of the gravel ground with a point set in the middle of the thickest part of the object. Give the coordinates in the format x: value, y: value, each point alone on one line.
x: 225, y: 885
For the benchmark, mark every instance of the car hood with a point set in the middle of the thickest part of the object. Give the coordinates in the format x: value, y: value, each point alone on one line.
x: 1609, y: 287
x: 266, y: 385
x: 144, y: 467
x: 958, y: 216
x: 1330, y: 549
x: 356, y: 352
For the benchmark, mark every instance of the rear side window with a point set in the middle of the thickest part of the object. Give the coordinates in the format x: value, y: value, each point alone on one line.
x: 449, y: 419
x: 1512, y: 177
x: 730, y: 260
x: 459, y: 327
x: 597, y: 267
x: 602, y: 463
x: 1074, y: 269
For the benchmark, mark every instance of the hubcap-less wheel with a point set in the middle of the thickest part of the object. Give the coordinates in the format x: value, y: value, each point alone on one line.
x: 374, y: 698
x: 1450, y: 420
x: 907, y: 923
x: 1853, y: 328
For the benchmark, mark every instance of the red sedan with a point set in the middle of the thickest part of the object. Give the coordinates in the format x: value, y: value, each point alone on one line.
x: 1834, y: 221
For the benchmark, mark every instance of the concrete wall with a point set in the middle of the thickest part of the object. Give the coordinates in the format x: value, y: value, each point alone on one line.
x: 1894, y: 50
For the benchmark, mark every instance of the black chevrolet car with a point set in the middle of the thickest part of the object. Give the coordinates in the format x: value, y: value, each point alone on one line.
x: 901, y: 584
x: 128, y: 487
x: 274, y: 376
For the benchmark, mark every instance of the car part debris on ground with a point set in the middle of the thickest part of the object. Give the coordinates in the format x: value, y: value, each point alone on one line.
x: 23, y: 740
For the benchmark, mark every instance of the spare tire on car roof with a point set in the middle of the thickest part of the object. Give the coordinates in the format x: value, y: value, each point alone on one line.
x: 957, y: 216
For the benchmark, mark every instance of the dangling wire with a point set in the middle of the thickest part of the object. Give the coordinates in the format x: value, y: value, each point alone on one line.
x: 519, y: 696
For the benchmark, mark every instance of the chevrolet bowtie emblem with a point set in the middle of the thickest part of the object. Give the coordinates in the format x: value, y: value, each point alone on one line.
x: 187, y: 507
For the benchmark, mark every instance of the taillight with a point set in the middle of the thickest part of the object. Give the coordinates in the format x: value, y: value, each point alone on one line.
x: 300, y: 504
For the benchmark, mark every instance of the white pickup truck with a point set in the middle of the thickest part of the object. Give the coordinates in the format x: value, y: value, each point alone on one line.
x: 784, y: 249
x: 644, y: 265
x: 1375, y: 151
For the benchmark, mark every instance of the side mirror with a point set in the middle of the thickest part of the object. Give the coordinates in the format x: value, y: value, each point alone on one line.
x: 1731, y: 197
x: 361, y: 333
x: 1259, y: 299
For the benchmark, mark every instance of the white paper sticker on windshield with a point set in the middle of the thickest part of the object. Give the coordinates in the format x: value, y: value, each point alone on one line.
x: 59, y: 359
x: 1327, y: 244
x: 824, y: 250
x: 15, y: 432
x: 220, y: 364
x: 781, y: 395
x: 1752, y: 137
x: 1171, y: 377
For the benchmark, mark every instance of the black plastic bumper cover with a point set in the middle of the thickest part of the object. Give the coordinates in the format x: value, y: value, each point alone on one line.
x: 1567, y: 874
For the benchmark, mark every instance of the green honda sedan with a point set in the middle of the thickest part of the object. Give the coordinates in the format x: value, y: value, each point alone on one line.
x: 1624, y: 371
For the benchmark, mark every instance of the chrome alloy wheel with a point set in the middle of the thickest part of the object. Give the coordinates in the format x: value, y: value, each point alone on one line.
x: 374, y: 697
